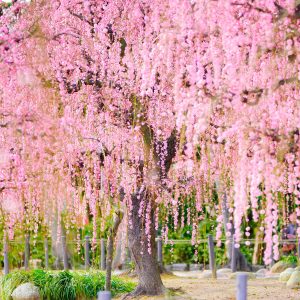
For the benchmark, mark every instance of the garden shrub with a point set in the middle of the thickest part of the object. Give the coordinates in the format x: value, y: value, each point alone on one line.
x: 63, y: 285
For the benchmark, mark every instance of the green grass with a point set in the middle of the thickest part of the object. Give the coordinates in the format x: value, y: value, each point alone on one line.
x: 291, y: 259
x: 63, y: 285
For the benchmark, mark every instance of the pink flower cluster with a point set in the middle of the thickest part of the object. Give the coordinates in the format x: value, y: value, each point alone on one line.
x: 85, y: 86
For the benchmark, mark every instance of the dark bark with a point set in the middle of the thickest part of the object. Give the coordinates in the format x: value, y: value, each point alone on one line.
x: 146, y: 264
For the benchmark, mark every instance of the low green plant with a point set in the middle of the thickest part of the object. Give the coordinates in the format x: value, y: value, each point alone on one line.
x: 291, y: 258
x: 63, y: 285
x: 11, y: 281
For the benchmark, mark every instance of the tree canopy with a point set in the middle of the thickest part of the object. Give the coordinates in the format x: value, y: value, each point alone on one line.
x: 172, y: 97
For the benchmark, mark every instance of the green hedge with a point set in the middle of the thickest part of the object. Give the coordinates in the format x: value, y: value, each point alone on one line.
x: 63, y: 285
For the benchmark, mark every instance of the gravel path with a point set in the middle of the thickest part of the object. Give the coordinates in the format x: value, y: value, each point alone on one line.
x: 224, y: 289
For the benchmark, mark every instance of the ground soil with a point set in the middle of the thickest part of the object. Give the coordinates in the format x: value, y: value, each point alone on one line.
x: 224, y: 289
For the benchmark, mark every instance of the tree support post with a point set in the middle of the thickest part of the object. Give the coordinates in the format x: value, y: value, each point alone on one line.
x: 110, y: 247
x: 233, y: 257
x: 27, y: 252
x: 5, y: 254
x: 160, y: 252
x: 87, y: 261
x: 103, y: 258
x: 46, y: 247
x: 212, y: 262
x: 65, y: 254
x: 272, y: 257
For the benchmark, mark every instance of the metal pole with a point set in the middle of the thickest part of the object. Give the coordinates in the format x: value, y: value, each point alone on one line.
x: 87, y: 262
x: 241, y: 282
x: 27, y: 252
x: 46, y: 253
x: 159, y: 251
x: 106, y: 295
x: 233, y: 257
x: 212, y: 262
x: 298, y: 248
x: 103, y: 258
x: 5, y: 254
x: 65, y: 255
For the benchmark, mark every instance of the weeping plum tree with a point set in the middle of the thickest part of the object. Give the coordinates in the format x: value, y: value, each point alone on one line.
x: 161, y: 99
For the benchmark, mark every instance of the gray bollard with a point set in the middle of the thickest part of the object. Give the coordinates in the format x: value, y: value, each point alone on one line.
x: 87, y: 261
x: 65, y: 254
x: 46, y: 248
x: 241, y: 284
x: 212, y: 262
x: 27, y: 252
x: 5, y: 254
x: 159, y: 251
x: 103, y: 254
x: 233, y: 257
x: 105, y: 295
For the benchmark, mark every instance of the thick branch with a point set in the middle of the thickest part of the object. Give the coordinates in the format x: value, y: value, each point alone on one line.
x: 81, y: 17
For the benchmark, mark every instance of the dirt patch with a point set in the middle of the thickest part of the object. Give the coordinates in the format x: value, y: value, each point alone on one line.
x: 224, y: 289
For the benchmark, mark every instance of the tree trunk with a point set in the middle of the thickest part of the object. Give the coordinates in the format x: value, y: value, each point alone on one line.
x: 121, y: 250
x: 257, y: 246
x: 146, y: 264
x: 57, y: 246
x: 241, y: 261
x: 225, y: 214
x: 110, y: 248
